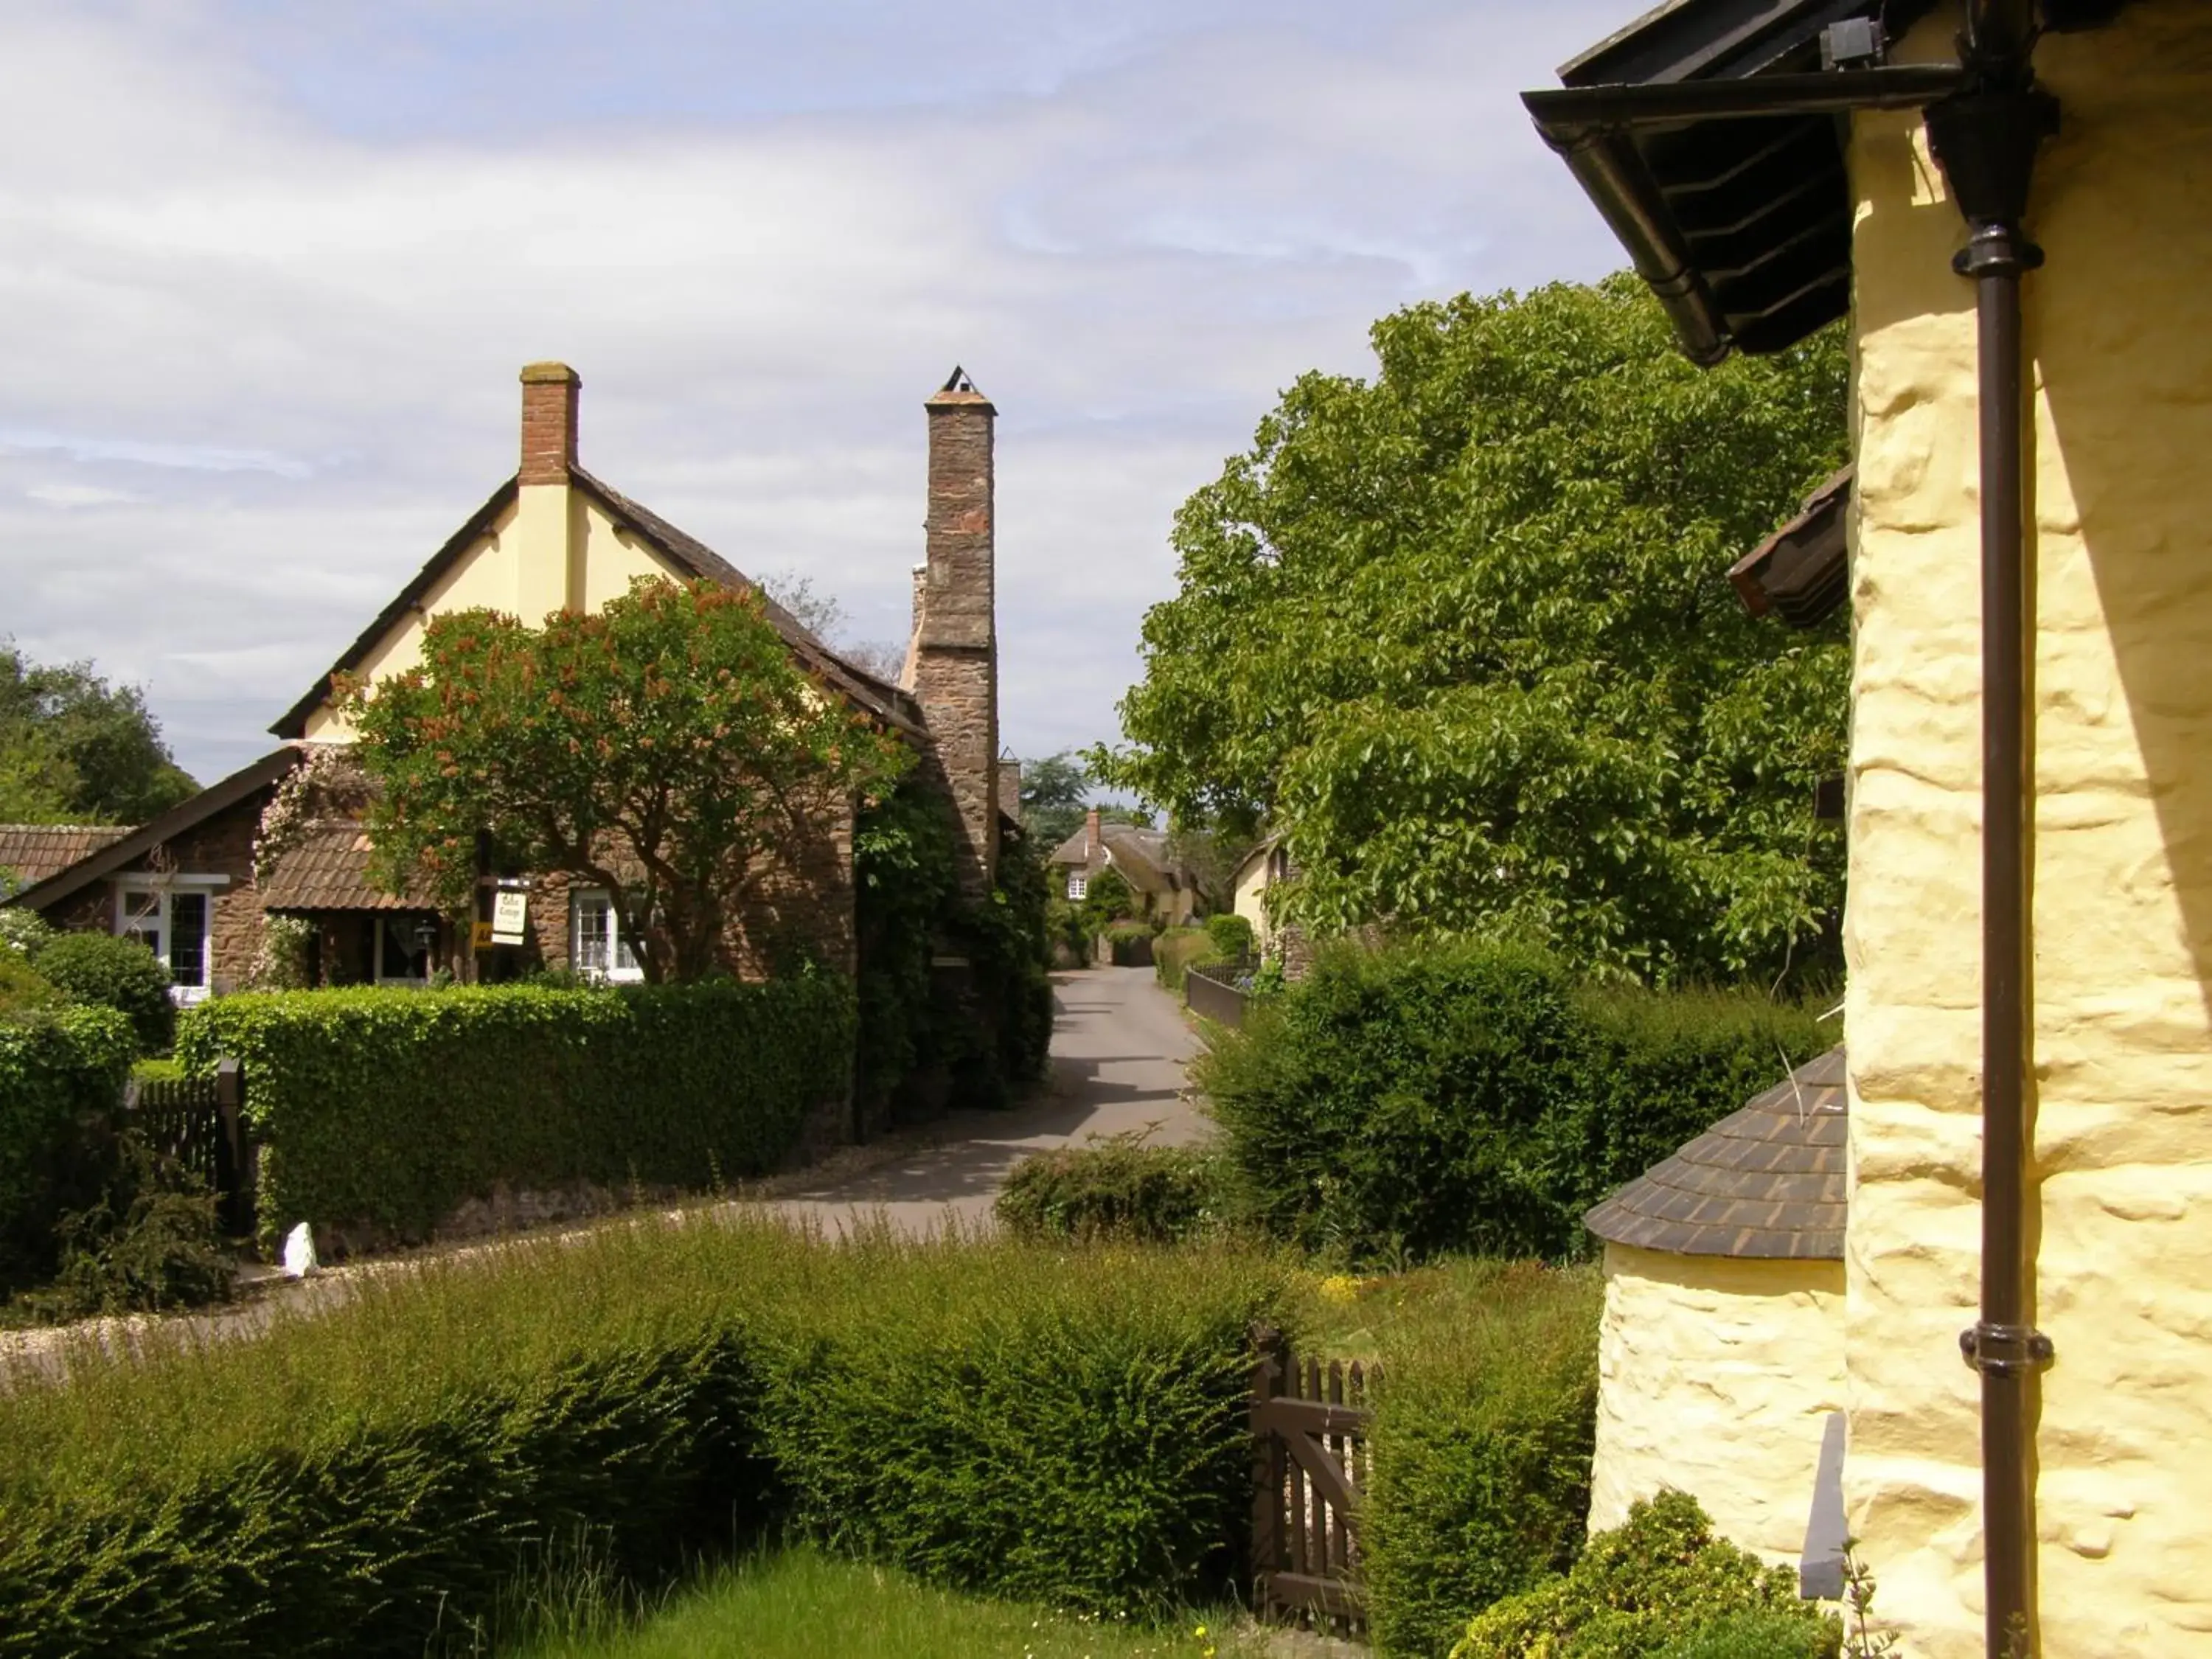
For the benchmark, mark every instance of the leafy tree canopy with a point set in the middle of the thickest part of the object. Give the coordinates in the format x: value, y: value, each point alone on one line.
x: 74, y: 748
x: 657, y: 748
x: 1460, y: 633
x: 1054, y: 792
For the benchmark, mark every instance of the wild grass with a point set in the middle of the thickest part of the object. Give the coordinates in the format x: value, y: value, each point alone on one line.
x: 801, y: 1603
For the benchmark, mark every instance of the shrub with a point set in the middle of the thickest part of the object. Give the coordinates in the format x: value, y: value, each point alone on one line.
x: 1107, y: 898
x: 21, y: 931
x: 383, y: 1110
x: 61, y: 1077
x: 1482, y: 1441
x: 1231, y: 935
x: 1764, y: 1635
x: 115, y: 973
x: 987, y: 1415
x: 1177, y: 951
x: 1660, y: 1578
x: 150, y: 1243
x: 22, y: 986
x: 1468, y: 1096
x: 1114, y: 1187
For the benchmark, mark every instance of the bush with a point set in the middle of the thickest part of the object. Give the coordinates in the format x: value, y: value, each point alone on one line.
x: 1447, y: 1097
x: 354, y: 1481
x: 21, y: 931
x: 1231, y: 935
x: 61, y: 1080
x: 383, y: 1110
x: 150, y: 1243
x: 1659, y: 1579
x: 1482, y: 1441
x: 22, y: 988
x: 1114, y: 1187
x: 1177, y: 951
x: 1755, y: 1636
x: 115, y: 973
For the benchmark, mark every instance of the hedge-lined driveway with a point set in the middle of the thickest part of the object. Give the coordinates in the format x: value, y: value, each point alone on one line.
x: 1118, y: 1043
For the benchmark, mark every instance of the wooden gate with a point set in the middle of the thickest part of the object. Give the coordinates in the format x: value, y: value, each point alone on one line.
x: 1310, y: 1459
x: 194, y: 1120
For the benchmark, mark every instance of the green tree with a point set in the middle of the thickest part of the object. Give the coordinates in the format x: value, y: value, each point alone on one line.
x: 1055, y: 791
x: 74, y: 748
x: 1461, y: 632
x: 663, y: 748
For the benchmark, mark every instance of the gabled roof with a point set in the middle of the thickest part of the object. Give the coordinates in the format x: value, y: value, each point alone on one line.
x: 215, y: 798
x: 1140, y: 855
x: 1710, y: 133
x: 692, y: 557
x: 1802, y: 572
x: 1767, y: 1183
x: 34, y: 851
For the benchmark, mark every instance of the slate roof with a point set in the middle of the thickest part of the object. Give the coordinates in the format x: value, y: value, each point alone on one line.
x: 34, y: 851
x: 692, y: 557
x: 1767, y: 1183
x: 327, y: 869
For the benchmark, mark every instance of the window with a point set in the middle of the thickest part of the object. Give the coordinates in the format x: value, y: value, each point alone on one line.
x: 596, y: 946
x: 171, y: 922
x: 404, y: 943
x: 1078, y: 884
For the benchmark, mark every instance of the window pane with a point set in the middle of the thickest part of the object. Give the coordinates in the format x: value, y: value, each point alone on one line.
x: 188, y: 919
x: 141, y: 919
x: 592, y: 934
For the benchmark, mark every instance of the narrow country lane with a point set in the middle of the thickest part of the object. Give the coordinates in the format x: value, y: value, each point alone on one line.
x: 1118, y: 1043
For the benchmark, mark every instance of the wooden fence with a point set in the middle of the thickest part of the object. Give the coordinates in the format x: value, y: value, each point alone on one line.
x: 1212, y: 992
x: 1310, y: 1460
x: 194, y: 1120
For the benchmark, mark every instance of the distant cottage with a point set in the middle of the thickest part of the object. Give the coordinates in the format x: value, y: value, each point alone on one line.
x: 550, y: 537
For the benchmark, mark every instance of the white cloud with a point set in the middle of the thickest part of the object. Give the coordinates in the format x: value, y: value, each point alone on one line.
x: 267, y: 357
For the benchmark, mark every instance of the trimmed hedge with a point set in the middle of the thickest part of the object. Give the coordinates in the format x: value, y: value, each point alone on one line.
x: 114, y: 973
x: 1232, y: 936
x: 1070, y: 1429
x: 1177, y: 951
x: 383, y: 1110
x: 1129, y: 944
x: 61, y: 1080
x: 1115, y: 1187
x: 1482, y: 1441
x: 1470, y: 1096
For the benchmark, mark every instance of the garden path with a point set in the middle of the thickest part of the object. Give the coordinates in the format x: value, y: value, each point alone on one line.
x: 1118, y: 1043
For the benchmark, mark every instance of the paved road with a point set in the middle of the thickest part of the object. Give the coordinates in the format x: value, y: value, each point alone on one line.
x: 1118, y: 1047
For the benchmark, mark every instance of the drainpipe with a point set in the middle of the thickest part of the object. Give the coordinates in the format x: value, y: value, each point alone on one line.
x: 1985, y: 139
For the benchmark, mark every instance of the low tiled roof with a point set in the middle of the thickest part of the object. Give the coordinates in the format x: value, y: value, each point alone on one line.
x: 327, y: 869
x: 1768, y: 1182
x: 34, y: 851
x: 1802, y: 572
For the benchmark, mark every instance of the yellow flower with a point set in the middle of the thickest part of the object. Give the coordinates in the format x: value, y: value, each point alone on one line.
x: 1340, y: 1289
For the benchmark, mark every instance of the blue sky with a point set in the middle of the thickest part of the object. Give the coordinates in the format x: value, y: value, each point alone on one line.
x: 267, y: 271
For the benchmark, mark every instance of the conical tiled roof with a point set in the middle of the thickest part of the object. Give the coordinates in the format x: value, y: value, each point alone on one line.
x: 1766, y: 1183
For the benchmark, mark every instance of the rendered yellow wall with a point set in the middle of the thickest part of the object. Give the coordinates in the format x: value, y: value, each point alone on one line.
x: 1249, y: 899
x: 1718, y: 1377
x: 553, y: 547
x: 2120, y: 326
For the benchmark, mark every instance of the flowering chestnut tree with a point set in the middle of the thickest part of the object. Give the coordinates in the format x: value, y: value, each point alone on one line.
x: 663, y: 748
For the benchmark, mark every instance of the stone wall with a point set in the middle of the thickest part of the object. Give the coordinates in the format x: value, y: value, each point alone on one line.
x: 2121, y: 1214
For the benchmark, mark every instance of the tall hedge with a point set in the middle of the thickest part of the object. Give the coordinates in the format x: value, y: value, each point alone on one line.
x: 362, y: 1481
x: 61, y: 1077
x: 1470, y: 1096
x: 383, y: 1110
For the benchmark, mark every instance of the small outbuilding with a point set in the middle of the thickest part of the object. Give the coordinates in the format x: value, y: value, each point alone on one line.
x: 1721, y: 1356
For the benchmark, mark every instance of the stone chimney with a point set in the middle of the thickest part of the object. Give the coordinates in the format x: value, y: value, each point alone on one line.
x: 956, y: 639
x: 548, y: 527
x: 1092, y: 838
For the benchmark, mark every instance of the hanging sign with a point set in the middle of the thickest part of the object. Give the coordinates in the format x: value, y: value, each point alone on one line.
x: 509, y: 912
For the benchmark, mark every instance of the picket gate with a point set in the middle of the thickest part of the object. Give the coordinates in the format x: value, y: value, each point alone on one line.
x: 1310, y: 1463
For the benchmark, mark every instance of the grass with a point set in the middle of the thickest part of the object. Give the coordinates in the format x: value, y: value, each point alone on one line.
x: 802, y: 1604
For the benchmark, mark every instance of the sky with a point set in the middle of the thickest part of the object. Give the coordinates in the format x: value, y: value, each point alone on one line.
x: 268, y: 271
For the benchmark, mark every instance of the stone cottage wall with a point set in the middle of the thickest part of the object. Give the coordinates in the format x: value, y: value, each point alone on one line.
x: 2122, y: 1078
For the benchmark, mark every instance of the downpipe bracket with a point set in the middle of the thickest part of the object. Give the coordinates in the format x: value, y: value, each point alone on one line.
x: 2005, y: 1350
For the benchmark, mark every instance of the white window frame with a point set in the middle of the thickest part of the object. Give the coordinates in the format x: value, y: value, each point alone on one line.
x: 163, y: 891
x: 1079, y: 884
x: 406, y: 982
x: 623, y: 967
